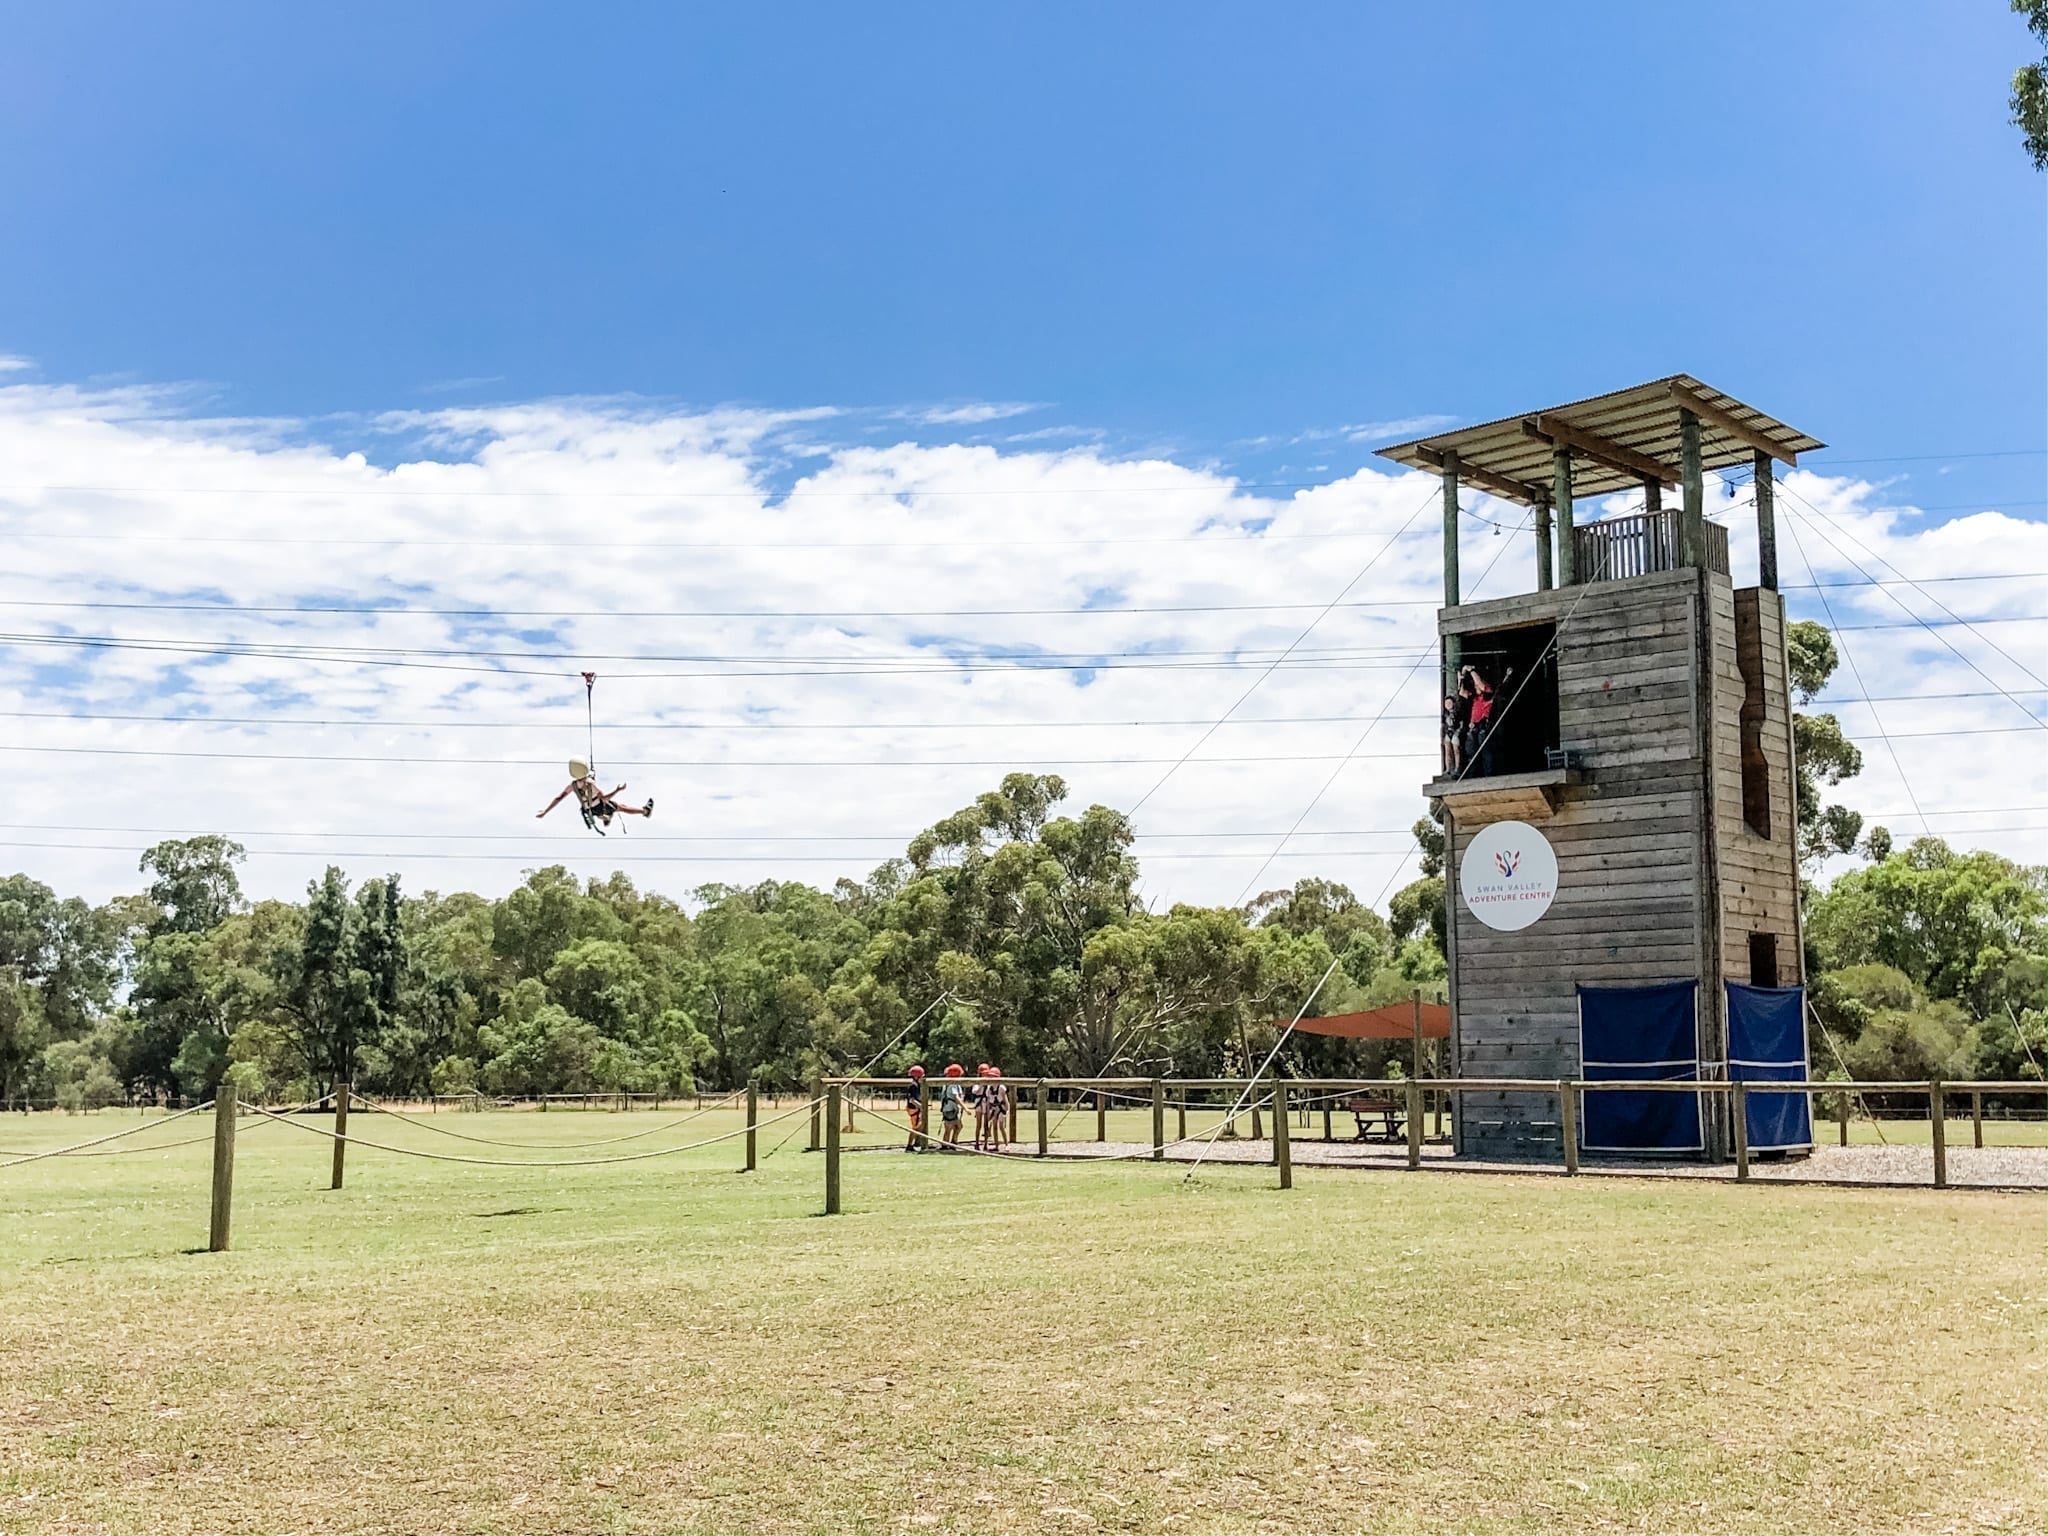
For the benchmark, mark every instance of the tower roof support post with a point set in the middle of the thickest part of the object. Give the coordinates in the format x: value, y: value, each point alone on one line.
x: 1692, y: 523
x: 1543, y: 564
x: 1450, y: 478
x: 1766, y: 524
x: 1453, y: 646
x: 1561, y: 499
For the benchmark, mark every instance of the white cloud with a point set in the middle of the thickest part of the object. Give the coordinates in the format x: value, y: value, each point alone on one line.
x: 1405, y: 426
x: 852, y: 608
x: 976, y: 414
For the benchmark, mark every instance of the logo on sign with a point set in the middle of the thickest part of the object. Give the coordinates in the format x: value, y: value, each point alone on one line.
x: 1507, y: 876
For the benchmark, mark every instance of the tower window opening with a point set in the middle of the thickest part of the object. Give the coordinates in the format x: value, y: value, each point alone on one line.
x: 1519, y: 666
x: 1763, y: 959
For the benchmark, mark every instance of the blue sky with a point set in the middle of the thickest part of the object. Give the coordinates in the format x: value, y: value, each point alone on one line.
x: 1182, y: 225
x: 991, y: 285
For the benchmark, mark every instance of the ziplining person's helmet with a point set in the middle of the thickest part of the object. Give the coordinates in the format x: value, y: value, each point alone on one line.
x: 578, y: 769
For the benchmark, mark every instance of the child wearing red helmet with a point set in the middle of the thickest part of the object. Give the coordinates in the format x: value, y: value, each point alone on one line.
x: 913, y: 1106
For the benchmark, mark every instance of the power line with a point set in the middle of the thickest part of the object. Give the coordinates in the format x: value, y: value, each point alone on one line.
x: 361, y: 611
x: 370, y: 609
x: 1792, y: 526
x: 1922, y: 458
x: 621, y: 856
x: 893, y: 838
x: 1966, y: 660
x: 1907, y: 580
x: 367, y: 722
x: 639, y: 763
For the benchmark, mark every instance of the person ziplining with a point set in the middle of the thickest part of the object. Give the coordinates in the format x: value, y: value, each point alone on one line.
x: 598, y: 806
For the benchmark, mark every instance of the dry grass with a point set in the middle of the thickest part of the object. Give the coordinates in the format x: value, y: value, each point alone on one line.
x: 672, y: 1346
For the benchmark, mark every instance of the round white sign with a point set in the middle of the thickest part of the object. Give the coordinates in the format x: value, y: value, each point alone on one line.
x: 1508, y: 875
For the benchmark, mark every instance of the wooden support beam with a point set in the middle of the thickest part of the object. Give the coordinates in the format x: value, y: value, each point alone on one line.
x: 1568, y: 1123
x: 1283, y: 1156
x: 1544, y: 578
x: 1692, y: 519
x: 1485, y: 480
x: 1740, y: 1114
x: 1937, y: 1125
x: 1728, y: 426
x: 1158, y: 1120
x: 1766, y: 525
x: 754, y: 1121
x: 1618, y: 457
x: 341, y: 1093
x: 225, y: 1109
x: 1561, y: 499
x: 1040, y: 1100
x: 1450, y: 479
x: 832, y: 1150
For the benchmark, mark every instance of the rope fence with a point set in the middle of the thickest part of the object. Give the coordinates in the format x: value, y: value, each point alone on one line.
x: 1401, y: 1106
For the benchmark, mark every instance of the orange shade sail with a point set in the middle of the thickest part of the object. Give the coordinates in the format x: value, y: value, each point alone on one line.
x: 1394, y: 1022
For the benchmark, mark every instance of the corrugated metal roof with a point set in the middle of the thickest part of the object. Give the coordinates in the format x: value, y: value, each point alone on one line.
x: 1511, y: 457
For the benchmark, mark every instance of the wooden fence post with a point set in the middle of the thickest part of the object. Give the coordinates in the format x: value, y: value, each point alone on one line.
x: 1568, y: 1122
x: 832, y: 1150
x: 1258, y: 1129
x: 1158, y: 1120
x: 1328, y: 1133
x: 924, y: 1114
x: 817, y: 1110
x: 1180, y: 1113
x: 224, y: 1108
x: 1842, y: 1109
x: 753, y: 1120
x: 1977, y: 1115
x: 1010, y: 1136
x: 1739, y: 1093
x: 341, y: 1092
x: 1040, y: 1098
x: 1937, y: 1110
x: 1101, y: 1115
x: 1415, y: 1117
x: 1283, y: 1153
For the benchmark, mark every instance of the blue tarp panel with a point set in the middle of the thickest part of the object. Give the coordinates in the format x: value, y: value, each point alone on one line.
x: 1640, y: 1034
x: 1767, y: 1043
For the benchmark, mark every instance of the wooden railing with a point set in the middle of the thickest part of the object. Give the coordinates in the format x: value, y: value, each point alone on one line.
x: 1279, y: 1097
x: 1616, y: 548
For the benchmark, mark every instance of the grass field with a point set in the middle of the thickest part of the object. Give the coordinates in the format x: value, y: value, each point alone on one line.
x: 670, y: 1345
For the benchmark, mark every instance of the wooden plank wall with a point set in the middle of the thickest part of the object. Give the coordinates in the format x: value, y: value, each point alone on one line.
x: 1759, y: 875
x: 1628, y: 846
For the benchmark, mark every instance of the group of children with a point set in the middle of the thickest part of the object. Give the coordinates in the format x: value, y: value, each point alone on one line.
x: 1469, y: 719
x: 987, y: 1095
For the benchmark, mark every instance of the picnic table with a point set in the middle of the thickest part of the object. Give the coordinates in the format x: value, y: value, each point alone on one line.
x: 1380, y: 1117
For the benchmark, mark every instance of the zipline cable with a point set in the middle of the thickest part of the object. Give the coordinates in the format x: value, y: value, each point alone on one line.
x: 1373, y: 560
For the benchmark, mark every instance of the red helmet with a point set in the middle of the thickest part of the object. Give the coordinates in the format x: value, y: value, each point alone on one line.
x: 953, y: 1069
x: 917, y: 1071
x: 995, y: 1071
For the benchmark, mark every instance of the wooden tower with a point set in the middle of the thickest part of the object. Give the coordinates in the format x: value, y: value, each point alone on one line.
x: 1645, y: 731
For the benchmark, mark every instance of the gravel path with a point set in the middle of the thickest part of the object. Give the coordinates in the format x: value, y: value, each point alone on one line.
x: 1974, y: 1167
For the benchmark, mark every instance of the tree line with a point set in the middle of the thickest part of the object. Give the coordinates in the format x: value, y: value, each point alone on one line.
x: 1007, y: 932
